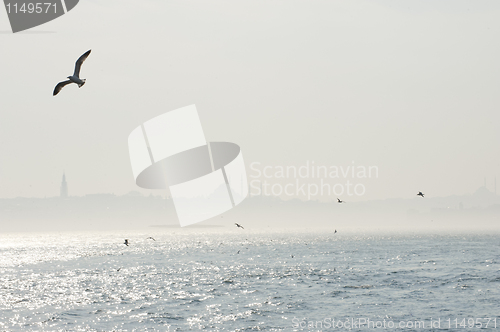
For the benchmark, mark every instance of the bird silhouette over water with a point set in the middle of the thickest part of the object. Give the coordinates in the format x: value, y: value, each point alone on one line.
x: 238, y: 225
x: 420, y: 194
x: 126, y: 242
x: 339, y: 201
x: 150, y: 238
x: 335, y: 232
x: 75, y: 78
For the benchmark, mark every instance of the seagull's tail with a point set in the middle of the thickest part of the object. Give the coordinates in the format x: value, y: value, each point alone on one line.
x: 80, y: 85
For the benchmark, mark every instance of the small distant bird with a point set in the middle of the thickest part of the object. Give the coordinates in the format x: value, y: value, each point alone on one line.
x: 75, y: 78
x: 420, y: 194
x: 238, y: 225
x: 335, y: 232
x: 238, y: 252
x: 338, y: 199
x: 126, y: 242
x: 150, y: 238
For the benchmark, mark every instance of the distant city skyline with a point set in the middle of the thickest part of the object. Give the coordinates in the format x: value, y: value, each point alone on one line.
x: 64, y: 192
x: 479, y: 211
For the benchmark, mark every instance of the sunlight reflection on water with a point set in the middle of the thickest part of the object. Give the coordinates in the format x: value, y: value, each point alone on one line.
x: 228, y: 280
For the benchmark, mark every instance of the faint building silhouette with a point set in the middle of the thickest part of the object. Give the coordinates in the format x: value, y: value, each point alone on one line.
x: 64, y: 187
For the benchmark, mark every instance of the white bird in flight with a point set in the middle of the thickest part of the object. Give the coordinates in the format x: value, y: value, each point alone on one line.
x: 75, y: 78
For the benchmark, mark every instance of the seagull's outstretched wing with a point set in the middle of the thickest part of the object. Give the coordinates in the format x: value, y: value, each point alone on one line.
x: 61, y: 85
x: 79, y: 62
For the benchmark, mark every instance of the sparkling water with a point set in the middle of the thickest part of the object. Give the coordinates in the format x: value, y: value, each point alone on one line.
x: 221, y: 279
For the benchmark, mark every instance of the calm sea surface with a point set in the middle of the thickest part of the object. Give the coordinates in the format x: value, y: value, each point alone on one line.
x: 225, y: 279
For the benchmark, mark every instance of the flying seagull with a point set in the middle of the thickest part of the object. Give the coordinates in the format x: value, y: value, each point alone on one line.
x: 238, y: 225
x: 126, y: 242
x: 420, y: 194
x: 338, y: 199
x: 150, y: 238
x: 75, y: 78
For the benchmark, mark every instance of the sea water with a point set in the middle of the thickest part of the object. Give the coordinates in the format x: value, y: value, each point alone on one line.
x: 224, y: 279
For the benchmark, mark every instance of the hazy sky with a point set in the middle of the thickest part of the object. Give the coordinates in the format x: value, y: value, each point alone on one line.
x: 409, y: 86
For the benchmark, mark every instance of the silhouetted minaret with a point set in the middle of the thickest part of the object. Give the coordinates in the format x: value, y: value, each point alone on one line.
x: 64, y: 187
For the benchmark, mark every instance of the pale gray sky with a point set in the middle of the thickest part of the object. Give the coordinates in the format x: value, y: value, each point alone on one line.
x: 408, y: 86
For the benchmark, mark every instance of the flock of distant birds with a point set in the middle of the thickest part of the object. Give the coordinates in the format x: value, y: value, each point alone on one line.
x: 239, y: 226
x: 75, y: 78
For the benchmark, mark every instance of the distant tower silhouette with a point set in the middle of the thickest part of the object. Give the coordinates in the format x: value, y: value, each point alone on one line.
x: 64, y: 187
